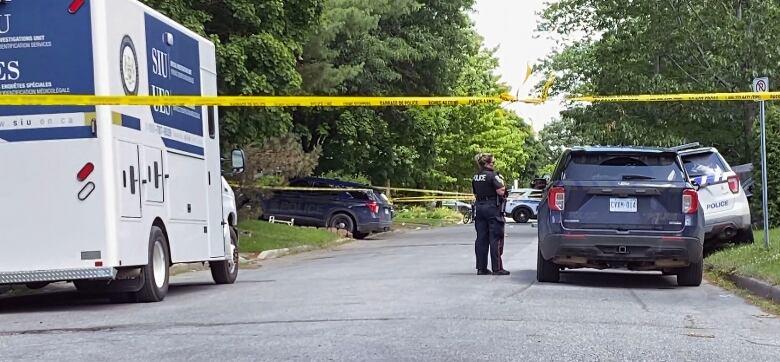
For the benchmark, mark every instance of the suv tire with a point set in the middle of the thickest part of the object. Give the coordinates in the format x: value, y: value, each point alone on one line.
x: 691, y: 275
x: 744, y: 236
x: 546, y: 271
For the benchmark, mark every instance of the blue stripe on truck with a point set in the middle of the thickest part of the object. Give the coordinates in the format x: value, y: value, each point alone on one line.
x: 47, y: 134
x: 131, y: 122
x: 181, y: 146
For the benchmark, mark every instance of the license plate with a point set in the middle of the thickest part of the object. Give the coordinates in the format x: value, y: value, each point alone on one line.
x: 622, y: 205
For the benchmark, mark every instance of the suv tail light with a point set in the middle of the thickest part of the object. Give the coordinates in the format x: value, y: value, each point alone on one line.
x: 734, y: 184
x: 373, y: 207
x: 557, y: 198
x: 690, y: 201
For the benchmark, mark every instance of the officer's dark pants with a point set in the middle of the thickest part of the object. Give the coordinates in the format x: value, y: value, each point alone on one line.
x: 489, y: 234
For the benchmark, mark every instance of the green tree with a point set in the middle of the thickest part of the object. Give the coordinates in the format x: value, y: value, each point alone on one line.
x: 383, y: 47
x: 670, y: 46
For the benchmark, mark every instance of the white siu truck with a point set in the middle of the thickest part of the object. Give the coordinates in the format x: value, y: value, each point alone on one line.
x: 109, y: 197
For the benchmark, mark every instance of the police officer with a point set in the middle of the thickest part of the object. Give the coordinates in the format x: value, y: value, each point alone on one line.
x: 489, y: 191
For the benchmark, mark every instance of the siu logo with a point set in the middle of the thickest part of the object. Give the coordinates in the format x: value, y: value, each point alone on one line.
x: 5, y: 23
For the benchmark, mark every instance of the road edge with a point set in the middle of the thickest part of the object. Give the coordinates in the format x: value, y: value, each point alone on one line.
x: 756, y: 287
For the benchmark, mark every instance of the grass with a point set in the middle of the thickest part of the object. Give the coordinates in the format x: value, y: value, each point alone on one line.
x: 257, y: 236
x: 751, y: 260
x: 417, y: 215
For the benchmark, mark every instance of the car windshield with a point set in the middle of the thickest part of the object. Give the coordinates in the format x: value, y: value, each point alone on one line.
x: 623, y: 167
x: 704, y: 164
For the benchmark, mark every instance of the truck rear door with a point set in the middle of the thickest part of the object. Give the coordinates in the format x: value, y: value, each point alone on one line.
x: 52, y: 214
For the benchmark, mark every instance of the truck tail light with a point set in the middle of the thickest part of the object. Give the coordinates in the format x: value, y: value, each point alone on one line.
x: 75, y: 6
x: 557, y: 198
x: 373, y: 207
x: 690, y: 201
x: 734, y: 184
x: 85, y: 171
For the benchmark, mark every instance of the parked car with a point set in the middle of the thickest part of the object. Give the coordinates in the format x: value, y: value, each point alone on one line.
x: 523, y: 204
x: 631, y: 208
x: 359, y: 212
x: 525, y: 194
x: 459, y: 206
x: 465, y: 209
x: 724, y: 201
x: 521, y: 210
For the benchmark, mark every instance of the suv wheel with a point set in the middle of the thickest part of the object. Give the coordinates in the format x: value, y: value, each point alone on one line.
x: 546, y: 271
x: 744, y: 236
x: 691, y: 275
x: 342, y: 222
x: 521, y: 215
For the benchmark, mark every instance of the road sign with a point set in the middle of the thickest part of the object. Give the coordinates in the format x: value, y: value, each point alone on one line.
x: 761, y: 85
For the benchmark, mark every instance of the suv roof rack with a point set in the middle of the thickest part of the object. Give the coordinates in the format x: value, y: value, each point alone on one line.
x: 687, y: 146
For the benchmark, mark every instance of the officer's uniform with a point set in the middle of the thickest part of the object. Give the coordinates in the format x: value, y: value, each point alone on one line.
x: 488, y: 220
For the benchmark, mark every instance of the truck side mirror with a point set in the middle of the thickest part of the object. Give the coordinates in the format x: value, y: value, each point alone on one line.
x: 238, y: 160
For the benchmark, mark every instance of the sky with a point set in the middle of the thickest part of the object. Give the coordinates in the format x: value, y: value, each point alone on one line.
x: 511, y: 25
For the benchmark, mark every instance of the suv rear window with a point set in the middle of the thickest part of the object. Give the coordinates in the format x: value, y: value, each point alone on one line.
x: 704, y: 164
x: 622, y: 167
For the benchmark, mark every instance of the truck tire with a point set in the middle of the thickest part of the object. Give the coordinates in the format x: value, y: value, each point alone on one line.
x: 521, y: 215
x: 156, y: 272
x: 226, y: 271
x: 36, y: 285
x: 546, y: 271
x: 691, y: 275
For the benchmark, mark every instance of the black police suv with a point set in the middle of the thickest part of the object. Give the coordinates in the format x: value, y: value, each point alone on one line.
x: 632, y: 208
x: 359, y: 212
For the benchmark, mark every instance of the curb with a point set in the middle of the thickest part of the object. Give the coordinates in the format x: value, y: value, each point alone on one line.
x: 756, y: 287
x: 278, y: 253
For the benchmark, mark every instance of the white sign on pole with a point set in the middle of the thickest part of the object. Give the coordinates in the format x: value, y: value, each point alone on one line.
x: 762, y: 85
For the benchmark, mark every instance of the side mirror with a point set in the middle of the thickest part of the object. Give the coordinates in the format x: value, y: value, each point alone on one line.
x: 237, y: 160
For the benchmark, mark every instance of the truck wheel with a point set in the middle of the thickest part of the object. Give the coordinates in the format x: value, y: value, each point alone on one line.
x: 691, y: 275
x: 155, y: 273
x: 521, y: 215
x: 546, y: 271
x: 226, y: 271
x: 37, y: 285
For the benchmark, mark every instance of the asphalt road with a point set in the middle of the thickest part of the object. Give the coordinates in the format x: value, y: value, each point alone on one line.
x: 404, y: 296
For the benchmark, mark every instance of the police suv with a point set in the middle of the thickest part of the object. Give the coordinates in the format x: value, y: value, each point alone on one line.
x: 723, y: 200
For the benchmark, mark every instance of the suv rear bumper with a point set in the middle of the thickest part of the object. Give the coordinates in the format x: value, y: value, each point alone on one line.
x: 648, y: 252
x: 726, y: 226
x: 374, y: 227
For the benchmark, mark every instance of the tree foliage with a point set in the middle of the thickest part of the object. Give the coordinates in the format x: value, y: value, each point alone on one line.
x: 665, y: 46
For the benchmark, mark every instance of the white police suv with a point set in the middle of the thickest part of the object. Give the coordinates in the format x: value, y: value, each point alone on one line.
x: 721, y: 196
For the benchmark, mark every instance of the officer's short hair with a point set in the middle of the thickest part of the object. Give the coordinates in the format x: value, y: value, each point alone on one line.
x: 483, y: 159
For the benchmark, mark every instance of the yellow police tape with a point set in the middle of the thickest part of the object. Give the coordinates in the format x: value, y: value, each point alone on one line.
x: 316, y: 101
x: 433, y: 199
x: 246, y: 101
x: 448, y: 194
x: 685, y: 97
